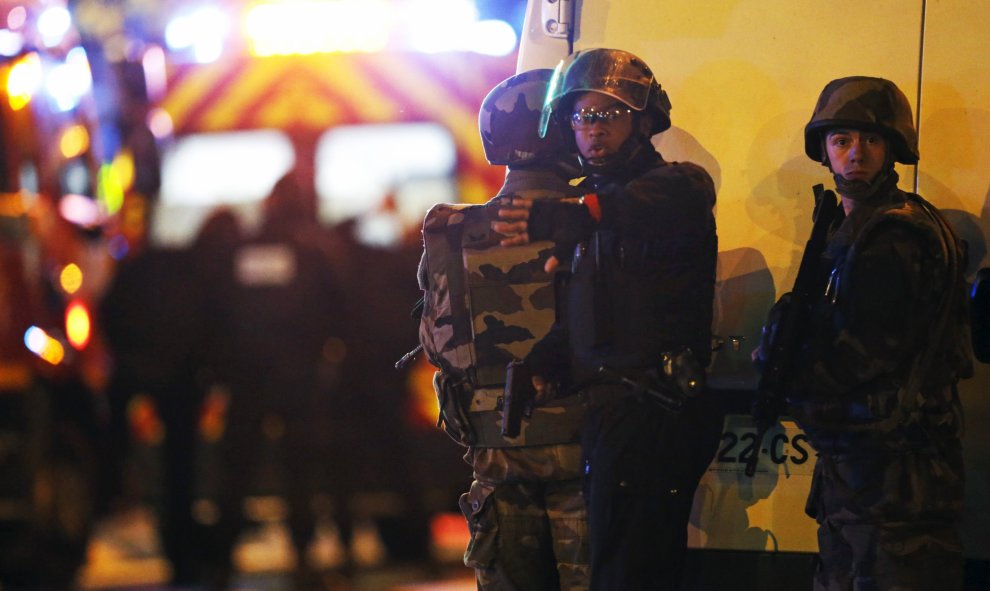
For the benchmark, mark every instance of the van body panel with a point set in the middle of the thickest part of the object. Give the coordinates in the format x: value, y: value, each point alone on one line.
x: 743, y: 78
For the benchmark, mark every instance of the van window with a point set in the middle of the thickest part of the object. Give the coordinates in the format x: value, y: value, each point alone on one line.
x: 202, y: 171
x: 384, y: 175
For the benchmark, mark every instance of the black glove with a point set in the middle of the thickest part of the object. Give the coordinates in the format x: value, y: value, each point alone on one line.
x: 550, y: 357
x: 769, y: 334
x: 566, y: 223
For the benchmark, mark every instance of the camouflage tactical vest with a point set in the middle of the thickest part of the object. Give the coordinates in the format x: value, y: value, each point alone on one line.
x: 920, y: 398
x: 484, y: 306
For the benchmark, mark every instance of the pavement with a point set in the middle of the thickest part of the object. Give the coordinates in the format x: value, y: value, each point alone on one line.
x: 124, y: 554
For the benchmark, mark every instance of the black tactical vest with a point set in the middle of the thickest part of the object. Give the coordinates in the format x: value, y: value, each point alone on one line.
x: 631, y: 297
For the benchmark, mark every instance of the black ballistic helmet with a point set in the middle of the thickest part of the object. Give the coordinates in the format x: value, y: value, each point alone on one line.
x: 509, y: 121
x: 613, y: 72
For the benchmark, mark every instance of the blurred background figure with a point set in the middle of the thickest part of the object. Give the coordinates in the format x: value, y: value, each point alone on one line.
x: 272, y: 349
x: 214, y: 246
x: 383, y: 486
x: 155, y: 323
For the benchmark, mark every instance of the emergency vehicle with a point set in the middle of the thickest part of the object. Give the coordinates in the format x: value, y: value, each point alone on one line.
x: 374, y: 107
x: 382, y: 104
x: 54, y: 260
x: 743, y: 78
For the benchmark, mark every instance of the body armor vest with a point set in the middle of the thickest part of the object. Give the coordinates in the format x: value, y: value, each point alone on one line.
x: 484, y: 306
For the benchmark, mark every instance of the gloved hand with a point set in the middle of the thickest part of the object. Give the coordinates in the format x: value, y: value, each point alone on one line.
x: 765, y: 410
x: 768, y: 336
x: 549, y: 363
x: 566, y: 223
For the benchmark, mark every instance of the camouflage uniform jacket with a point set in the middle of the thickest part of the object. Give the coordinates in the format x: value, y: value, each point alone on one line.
x: 891, y: 277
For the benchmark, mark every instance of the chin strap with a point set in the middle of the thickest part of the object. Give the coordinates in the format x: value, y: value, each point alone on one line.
x: 864, y: 191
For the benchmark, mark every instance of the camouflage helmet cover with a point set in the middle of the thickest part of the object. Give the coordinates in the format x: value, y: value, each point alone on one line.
x: 613, y: 72
x: 862, y: 102
x: 509, y: 120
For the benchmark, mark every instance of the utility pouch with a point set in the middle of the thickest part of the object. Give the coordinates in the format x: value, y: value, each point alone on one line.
x: 478, y: 508
x: 452, y: 395
x: 681, y: 369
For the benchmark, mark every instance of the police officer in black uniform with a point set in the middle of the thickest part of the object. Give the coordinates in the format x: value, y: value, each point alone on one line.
x: 642, y: 247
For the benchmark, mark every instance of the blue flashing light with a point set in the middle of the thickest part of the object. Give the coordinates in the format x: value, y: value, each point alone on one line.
x: 67, y: 83
x: 53, y: 25
x: 11, y: 42
x: 118, y: 247
x: 299, y: 27
x: 492, y: 37
x: 35, y: 339
x: 307, y: 27
x: 439, y: 25
x: 201, y: 33
x: 206, y: 51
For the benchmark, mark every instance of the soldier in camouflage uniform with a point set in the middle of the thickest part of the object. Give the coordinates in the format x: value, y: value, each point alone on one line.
x: 876, y: 375
x: 524, y: 509
x: 644, y: 248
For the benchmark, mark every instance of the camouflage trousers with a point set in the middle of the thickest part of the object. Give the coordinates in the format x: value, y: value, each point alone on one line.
x: 887, y: 519
x: 527, y: 534
x: 888, y: 557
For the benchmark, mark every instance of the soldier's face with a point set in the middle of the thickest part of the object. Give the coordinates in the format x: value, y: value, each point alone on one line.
x: 601, y: 124
x: 856, y: 155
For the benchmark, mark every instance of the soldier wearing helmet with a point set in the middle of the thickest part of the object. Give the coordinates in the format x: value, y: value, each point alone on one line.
x: 509, y: 119
x: 873, y: 110
x: 525, y: 509
x: 642, y: 248
x: 876, y: 376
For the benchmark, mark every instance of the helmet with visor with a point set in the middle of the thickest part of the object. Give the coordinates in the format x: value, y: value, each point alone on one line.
x: 613, y: 72
x: 509, y: 120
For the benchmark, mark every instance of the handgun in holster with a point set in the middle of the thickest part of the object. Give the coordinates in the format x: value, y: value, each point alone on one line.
x: 517, y: 398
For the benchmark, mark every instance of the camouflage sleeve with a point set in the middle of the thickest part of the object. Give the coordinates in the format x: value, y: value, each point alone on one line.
x: 886, y: 297
x: 666, y: 202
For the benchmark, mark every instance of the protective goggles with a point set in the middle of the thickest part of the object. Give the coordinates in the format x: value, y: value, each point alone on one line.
x: 587, y: 117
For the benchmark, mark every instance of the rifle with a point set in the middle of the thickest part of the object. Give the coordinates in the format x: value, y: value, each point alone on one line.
x: 416, y: 314
x: 778, y: 373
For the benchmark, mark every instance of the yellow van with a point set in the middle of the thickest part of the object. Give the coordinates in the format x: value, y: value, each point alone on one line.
x: 743, y: 78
